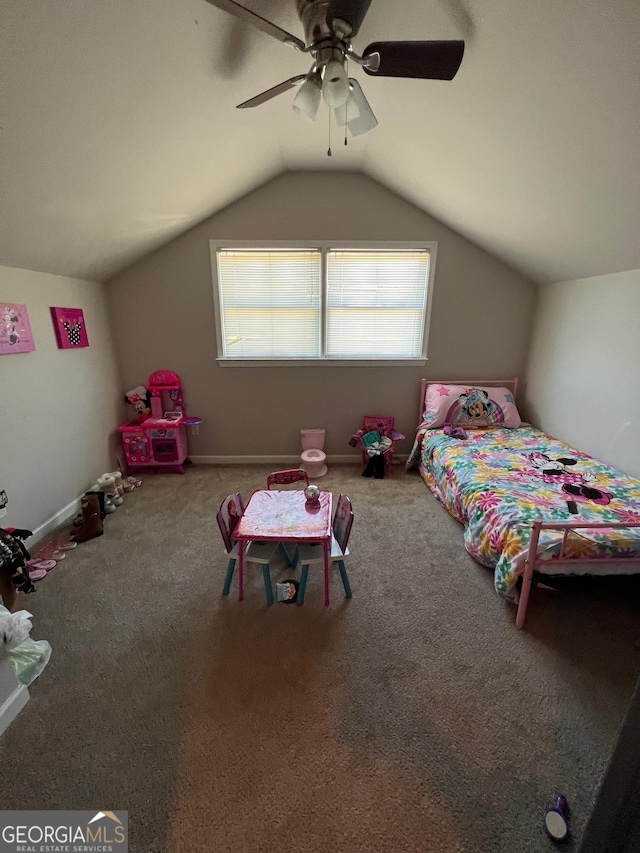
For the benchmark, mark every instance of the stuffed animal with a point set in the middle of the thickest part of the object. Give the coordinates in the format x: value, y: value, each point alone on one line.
x: 140, y: 399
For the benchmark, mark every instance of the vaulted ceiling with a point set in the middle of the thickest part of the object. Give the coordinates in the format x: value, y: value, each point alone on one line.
x: 118, y: 127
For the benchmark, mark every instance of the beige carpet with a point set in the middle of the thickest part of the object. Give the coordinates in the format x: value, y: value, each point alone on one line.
x: 412, y: 718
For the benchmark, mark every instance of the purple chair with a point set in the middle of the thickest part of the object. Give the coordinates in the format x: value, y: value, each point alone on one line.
x: 312, y: 554
x: 229, y: 514
x: 285, y: 478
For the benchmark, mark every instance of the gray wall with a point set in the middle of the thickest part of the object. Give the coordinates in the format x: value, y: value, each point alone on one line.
x: 584, y: 365
x: 59, y: 406
x: 162, y: 309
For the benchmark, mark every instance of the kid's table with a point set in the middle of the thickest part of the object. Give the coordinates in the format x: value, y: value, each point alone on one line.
x: 284, y: 516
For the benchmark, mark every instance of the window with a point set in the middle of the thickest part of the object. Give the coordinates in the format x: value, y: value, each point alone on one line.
x: 327, y: 304
x: 269, y: 303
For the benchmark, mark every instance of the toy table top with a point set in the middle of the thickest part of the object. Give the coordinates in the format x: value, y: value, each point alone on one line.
x: 278, y: 515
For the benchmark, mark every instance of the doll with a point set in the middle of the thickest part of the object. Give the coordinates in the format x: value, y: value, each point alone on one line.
x: 140, y: 399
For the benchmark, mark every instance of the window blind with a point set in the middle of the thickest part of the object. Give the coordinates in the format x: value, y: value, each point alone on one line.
x: 270, y: 303
x: 376, y: 303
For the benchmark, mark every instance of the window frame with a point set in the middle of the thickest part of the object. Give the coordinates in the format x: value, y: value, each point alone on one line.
x: 323, y: 246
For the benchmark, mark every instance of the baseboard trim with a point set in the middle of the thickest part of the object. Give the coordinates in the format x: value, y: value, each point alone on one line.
x: 12, y: 706
x: 267, y: 460
x: 56, y: 520
x: 345, y: 459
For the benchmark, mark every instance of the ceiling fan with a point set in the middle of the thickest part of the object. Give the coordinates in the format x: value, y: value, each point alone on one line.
x: 329, y: 26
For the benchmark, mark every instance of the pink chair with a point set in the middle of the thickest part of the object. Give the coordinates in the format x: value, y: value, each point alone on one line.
x: 313, y: 554
x: 386, y: 427
x: 285, y: 478
x: 229, y: 514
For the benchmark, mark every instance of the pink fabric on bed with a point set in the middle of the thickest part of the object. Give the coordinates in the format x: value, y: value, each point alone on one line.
x: 470, y: 406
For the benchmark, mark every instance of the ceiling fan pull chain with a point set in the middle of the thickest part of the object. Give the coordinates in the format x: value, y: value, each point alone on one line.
x: 329, y: 148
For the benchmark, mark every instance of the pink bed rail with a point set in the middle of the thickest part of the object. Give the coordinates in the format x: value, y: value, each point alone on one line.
x: 534, y: 560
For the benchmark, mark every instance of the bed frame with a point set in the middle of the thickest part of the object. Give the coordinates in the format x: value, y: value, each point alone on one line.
x: 533, y: 559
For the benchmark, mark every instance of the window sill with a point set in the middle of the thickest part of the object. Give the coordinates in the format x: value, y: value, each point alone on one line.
x: 321, y: 362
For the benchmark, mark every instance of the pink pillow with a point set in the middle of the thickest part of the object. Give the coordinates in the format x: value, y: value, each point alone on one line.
x: 470, y: 406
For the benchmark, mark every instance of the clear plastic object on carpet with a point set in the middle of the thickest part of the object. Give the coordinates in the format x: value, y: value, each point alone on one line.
x: 28, y: 657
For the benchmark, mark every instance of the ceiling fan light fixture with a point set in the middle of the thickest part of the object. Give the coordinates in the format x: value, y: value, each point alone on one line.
x: 349, y: 111
x: 329, y: 26
x: 335, y: 83
x: 307, y: 99
x: 363, y: 119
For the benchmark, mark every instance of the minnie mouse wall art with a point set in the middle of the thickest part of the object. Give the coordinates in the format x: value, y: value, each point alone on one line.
x: 15, y: 329
x: 70, y: 328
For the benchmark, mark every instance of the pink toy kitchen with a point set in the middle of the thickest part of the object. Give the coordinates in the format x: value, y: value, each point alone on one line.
x: 157, y: 440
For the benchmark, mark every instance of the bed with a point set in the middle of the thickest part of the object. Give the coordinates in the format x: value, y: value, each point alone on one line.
x: 528, y: 502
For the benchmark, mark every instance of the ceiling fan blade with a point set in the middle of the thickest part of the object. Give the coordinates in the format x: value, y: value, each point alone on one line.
x: 351, y: 12
x: 271, y: 93
x: 428, y: 60
x: 356, y: 113
x: 258, y: 22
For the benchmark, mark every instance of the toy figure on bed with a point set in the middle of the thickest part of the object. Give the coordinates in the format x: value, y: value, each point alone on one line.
x: 140, y: 399
x: 14, y: 573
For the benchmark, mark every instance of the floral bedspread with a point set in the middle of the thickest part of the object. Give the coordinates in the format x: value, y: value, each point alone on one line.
x: 498, y: 481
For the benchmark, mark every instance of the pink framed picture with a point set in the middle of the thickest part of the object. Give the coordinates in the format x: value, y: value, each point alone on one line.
x: 15, y: 329
x: 70, y: 328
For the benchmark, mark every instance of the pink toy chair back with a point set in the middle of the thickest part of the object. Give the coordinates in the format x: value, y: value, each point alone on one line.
x: 285, y: 478
x: 342, y: 522
x: 229, y: 514
x: 382, y: 425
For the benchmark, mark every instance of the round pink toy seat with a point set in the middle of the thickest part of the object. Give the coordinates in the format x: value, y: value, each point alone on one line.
x: 313, y: 462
